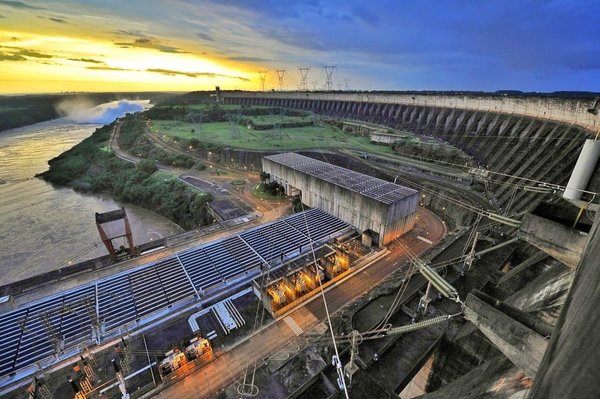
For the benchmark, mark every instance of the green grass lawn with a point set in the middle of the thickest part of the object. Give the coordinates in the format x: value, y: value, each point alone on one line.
x: 259, y: 192
x: 265, y: 119
x: 202, y: 107
x: 285, y: 139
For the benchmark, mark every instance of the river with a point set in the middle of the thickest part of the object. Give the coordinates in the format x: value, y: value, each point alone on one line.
x: 43, y: 227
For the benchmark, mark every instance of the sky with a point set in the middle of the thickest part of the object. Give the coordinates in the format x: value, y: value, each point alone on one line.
x: 185, y: 45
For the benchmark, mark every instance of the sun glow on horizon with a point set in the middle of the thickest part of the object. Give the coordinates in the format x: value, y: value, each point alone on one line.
x: 33, y: 62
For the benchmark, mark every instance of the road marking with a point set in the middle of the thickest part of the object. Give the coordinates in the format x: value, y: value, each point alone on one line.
x: 293, y: 325
x: 425, y: 240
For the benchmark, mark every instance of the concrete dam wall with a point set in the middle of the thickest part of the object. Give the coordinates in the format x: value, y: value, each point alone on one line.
x: 533, y: 138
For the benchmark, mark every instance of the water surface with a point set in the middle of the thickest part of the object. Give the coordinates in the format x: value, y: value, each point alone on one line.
x: 43, y: 227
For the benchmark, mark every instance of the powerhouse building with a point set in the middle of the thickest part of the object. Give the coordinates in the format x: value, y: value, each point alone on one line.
x: 379, y: 209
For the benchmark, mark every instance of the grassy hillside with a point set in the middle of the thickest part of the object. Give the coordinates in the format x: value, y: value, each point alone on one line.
x: 91, y: 166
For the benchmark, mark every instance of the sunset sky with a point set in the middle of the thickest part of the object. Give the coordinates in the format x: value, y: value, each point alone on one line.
x: 184, y: 45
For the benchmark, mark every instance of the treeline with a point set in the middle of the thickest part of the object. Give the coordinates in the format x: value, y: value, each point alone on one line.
x: 440, y: 152
x: 17, y: 111
x: 91, y: 166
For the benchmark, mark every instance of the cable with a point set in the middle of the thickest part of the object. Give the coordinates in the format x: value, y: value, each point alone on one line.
x: 312, y: 250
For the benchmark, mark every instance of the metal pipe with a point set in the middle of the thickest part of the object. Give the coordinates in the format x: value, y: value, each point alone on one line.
x: 490, y: 249
x: 419, y: 325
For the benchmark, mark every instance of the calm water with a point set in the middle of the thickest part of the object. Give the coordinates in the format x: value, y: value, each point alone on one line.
x: 44, y: 227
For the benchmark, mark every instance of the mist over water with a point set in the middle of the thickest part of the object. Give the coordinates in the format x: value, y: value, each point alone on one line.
x: 81, y: 110
x: 43, y: 227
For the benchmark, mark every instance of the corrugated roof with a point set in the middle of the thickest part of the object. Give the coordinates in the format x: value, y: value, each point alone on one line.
x: 369, y: 186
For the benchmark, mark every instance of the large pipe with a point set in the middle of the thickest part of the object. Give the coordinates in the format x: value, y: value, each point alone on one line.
x: 495, y: 247
x: 583, y: 170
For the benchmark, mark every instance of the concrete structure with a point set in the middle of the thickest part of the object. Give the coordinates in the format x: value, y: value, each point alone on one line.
x: 381, y: 137
x: 560, y: 109
x: 583, y: 171
x: 520, y: 336
x: 382, y: 209
x: 569, y: 368
x: 53, y: 328
x: 557, y: 240
x: 537, y: 138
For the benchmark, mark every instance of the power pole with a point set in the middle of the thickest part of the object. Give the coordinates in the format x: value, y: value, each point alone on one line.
x: 262, y: 74
x: 351, y: 367
x: 303, y: 86
x: 329, y: 69
x: 280, y: 75
x: 470, y: 258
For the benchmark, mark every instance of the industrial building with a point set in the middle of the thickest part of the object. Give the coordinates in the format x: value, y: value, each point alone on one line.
x: 381, y: 210
x: 56, y: 326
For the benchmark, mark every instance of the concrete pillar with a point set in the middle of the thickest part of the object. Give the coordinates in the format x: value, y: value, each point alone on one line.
x: 523, y: 346
x: 532, y: 260
x: 555, y: 239
x: 570, y: 366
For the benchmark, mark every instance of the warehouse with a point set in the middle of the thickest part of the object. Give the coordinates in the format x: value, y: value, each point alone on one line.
x: 380, y: 210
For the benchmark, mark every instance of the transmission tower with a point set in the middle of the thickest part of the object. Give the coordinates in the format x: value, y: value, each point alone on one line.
x: 346, y: 83
x: 303, y: 86
x: 90, y: 308
x: 280, y: 75
x: 329, y: 69
x: 51, y: 332
x: 263, y: 78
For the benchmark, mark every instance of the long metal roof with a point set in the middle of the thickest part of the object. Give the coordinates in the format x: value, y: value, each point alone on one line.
x: 27, y: 334
x: 369, y: 186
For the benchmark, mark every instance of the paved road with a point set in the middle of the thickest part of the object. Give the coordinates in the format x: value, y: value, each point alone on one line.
x: 231, y: 365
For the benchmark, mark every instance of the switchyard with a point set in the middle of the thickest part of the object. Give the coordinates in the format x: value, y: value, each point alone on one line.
x: 54, y: 328
x: 365, y: 292
x: 380, y: 210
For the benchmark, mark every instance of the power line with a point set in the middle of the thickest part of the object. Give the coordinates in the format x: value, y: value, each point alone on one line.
x: 337, y: 360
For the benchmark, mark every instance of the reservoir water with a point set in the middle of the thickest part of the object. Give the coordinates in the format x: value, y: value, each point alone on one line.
x: 44, y: 227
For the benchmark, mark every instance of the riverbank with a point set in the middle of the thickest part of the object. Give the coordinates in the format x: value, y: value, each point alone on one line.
x: 91, y: 166
x: 18, y: 111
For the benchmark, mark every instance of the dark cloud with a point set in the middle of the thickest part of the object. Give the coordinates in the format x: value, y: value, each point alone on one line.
x: 247, y: 59
x: 109, y: 68
x: 205, y: 36
x: 53, y: 18
x: 33, y: 54
x: 2, y: 16
x: 58, y: 20
x: 23, y: 52
x: 11, y: 57
x: 134, y: 33
x: 168, y: 72
x: 19, y: 4
x: 171, y: 72
x: 89, y: 60
x: 150, y: 43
